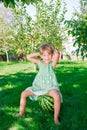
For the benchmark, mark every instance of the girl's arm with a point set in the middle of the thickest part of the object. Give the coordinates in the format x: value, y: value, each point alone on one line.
x: 55, y: 58
x: 32, y: 58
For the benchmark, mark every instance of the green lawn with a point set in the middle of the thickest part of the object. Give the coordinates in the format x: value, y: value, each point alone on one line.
x: 72, y: 78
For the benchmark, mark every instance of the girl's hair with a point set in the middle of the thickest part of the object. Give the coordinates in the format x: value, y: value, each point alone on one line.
x: 47, y: 47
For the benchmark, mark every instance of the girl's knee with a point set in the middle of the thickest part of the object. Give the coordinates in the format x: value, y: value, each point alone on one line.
x: 26, y: 93
x: 55, y: 94
x: 57, y: 97
x: 23, y: 94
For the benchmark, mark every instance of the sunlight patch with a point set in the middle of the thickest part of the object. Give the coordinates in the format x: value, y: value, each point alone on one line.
x: 60, y: 84
x: 16, y: 127
x: 13, y: 128
x: 8, y: 86
x: 0, y: 89
x: 28, y: 119
x: 21, y: 124
x: 75, y: 85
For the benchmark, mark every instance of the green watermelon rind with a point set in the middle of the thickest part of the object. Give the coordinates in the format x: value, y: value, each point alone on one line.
x: 43, y: 105
x: 49, y: 105
x: 46, y: 102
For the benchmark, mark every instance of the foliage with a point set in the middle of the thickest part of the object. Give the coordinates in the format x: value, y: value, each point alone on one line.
x: 27, y: 34
x: 48, y: 24
x: 22, y: 30
x: 6, y: 36
x: 12, y: 3
x: 78, y: 28
x: 72, y: 78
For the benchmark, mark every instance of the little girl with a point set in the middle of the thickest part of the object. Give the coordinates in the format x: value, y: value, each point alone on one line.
x: 45, y: 81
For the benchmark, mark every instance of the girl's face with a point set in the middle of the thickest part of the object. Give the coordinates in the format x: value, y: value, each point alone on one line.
x: 46, y: 56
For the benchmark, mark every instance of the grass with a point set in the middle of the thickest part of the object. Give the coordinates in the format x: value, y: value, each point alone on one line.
x: 72, y: 78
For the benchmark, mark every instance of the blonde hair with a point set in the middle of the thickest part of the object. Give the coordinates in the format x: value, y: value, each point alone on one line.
x: 46, y: 47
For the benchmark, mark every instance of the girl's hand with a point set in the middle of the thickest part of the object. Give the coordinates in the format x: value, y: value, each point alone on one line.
x: 33, y: 57
x: 55, y: 59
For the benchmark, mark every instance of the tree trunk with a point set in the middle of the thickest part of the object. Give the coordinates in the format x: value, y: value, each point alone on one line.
x: 34, y: 65
x: 7, y: 57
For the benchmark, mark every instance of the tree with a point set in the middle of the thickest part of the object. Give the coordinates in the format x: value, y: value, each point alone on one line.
x: 47, y: 28
x: 20, y: 41
x: 5, y: 38
x: 48, y: 25
x: 78, y: 28
x: 22, y: 28
x: 12, y: 3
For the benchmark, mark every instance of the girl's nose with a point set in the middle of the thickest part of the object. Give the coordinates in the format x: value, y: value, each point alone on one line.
x: 47, y: 57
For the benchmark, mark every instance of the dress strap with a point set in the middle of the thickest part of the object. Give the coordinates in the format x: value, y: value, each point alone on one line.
x: 42, y: 63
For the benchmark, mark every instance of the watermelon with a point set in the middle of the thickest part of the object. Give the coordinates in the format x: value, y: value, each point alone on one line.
x: 46, y: 102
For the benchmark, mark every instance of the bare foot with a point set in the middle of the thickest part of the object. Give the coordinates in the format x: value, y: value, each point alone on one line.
x: 57, y: 121
x: 19, y: 115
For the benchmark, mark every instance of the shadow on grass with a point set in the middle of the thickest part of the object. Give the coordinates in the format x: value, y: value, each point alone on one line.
x: 11, y: 87
x: 73, y: 85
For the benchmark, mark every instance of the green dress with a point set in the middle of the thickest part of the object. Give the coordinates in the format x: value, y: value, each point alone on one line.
x: 44, y: 81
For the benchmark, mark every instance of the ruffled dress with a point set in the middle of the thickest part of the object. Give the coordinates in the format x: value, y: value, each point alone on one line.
x: 44, y: 81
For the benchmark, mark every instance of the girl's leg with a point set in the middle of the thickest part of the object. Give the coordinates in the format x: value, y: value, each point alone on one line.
x: 54, y: 93
x: 24, y: 95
